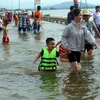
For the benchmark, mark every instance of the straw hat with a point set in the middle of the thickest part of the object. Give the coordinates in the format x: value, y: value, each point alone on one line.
x: 24, y: 12
x: 86, y: 12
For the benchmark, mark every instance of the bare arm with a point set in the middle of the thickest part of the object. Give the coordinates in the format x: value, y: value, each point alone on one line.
x: 97, y: 32
x: 58, y: 43
x: 37, y: 57
x: 95, y: 22
x: 63, y: 54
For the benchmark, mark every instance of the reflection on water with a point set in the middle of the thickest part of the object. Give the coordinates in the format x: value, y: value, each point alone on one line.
x: 49, y: 85
x: 21, y: 80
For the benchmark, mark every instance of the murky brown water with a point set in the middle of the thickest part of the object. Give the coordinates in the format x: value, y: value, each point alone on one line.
x: 21, y: 80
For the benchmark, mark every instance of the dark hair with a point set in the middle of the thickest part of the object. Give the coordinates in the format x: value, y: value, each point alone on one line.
x: 72, y: 7
x: 49, y: 39
x: 6, y: 21
x: 76, y: 12
x: 38, y: 7
x: 96, y: 7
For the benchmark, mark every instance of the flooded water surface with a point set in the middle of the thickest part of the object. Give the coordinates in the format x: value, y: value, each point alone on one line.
x: 21, y: 80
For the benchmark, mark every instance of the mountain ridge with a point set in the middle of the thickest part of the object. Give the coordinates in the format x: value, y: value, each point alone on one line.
x: 66, y: 5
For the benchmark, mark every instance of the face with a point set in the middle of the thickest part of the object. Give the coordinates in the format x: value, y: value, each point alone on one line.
x: 86, y: 17
x: 79, y: 17
x: 51, y: 45
x: 98, y: 9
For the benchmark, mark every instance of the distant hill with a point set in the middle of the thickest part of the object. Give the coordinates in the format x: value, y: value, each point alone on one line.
x: 66, y: 5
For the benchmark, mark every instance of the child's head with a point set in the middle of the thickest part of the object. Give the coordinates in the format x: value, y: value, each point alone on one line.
x: 5, y: 22
x: 50, y: 42
x: 38, y: 8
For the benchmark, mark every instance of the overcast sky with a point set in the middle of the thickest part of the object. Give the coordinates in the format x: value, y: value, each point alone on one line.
x: 12, y: 4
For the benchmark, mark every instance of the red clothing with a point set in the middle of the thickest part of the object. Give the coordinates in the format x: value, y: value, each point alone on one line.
x: 4, y: 40
x: 61, y: 51
x: 38, y: 13
x: 28, y: 16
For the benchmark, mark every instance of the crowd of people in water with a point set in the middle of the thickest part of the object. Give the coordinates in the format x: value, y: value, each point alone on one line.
x: 77, y: 36
x: 21, y: 20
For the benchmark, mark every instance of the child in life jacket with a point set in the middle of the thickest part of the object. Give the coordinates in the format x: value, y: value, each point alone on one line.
x: 5, y: 38
x: 48, y: 56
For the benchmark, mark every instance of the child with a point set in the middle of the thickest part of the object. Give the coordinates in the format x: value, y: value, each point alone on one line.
x: 15, y: 18
x: 38, y: 13
x: 48, y: 56
x: 5, y: 38
x: 35, y: 25
x: 29, y: 26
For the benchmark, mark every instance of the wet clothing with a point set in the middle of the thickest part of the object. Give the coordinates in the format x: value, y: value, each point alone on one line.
x: 29, y: 27
x: 88, y: 47
x: 36, y: 27
x: 74, y: 56
x: 5, y: 40
x: 48, y: 59
x: 21, y: 28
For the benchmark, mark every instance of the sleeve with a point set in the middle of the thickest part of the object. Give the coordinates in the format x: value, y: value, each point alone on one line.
x: 65, y: 35
x: 41, y: 53
x: 88, y: 36
x: 57, y: 54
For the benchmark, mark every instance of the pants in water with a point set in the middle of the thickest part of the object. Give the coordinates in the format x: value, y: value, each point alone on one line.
x: 36, y: 27
x: 98, y: 27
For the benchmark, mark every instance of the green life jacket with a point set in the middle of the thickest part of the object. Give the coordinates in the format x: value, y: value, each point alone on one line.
x: 48, y: 60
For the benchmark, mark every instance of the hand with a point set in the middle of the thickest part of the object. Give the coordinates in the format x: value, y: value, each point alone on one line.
x: 68, y: 50
x: 95, y: 45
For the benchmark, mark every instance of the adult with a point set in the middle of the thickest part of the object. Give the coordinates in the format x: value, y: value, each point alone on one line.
x: 22, y: 21
x: 75, y: 4
x: 96, y: 17
x: 91, y: 27
x: 73, y: 39
x: 38, y: 13
x: 70, y: 14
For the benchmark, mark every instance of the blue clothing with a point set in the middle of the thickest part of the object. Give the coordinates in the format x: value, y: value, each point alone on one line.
x: 29, y: 27
x: 36, y: 27
x: 98, y: 27
x: 69, y: 18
